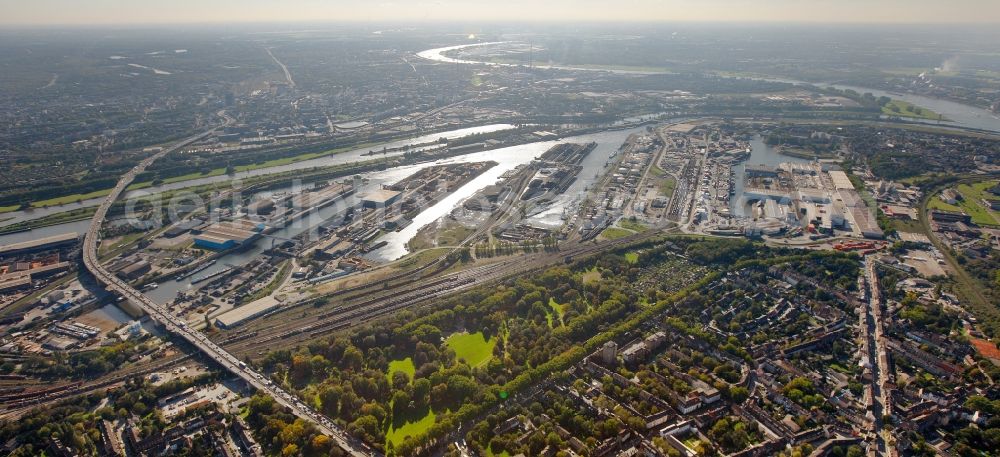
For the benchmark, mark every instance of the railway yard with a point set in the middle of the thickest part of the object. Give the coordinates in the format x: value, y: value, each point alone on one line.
x: 319, y: 282
x: 276, y: 270
x: 437, y: 238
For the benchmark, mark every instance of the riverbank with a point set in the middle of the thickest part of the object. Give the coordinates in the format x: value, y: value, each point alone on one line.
x: 74, y: 215
x: 377, y: 142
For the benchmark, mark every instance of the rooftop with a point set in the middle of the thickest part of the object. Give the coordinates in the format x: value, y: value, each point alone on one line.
x: 246, y: 312
x: 841, y: 180
x: 381, y: 196
x: 39, y: 243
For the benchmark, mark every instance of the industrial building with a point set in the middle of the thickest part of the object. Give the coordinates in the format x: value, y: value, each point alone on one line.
x: 380, y: 198
x: 42, y: 244
x: 35, y: 272
x: 761, y: 171
x: 228, y: 235
x: 261, y: 207
x: 950, y: 216
x: 840, y: 180
x: 242, y: 314
x: 182, y: 228
x: 135, y: 270
x: 15, y: 284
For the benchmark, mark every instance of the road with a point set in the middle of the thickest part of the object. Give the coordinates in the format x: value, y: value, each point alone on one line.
x: 180, y: 329
x: 881, y: 398
x: 288, y: 74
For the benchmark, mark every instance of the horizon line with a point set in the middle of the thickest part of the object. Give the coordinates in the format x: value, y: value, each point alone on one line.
x: 482, y: 22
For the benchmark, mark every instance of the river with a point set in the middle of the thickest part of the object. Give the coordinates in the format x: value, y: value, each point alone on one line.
x: 960, y: 115
x: 326, y: 161
x: 507, y: 159
x: 760, y: 154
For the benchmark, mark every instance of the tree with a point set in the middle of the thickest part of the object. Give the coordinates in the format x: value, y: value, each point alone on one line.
x: 365, y: 426
x: 400, y: 380
x: 352, y: 359
x: 290, y: 450
x: 329, y: 400
x: 321, y: 444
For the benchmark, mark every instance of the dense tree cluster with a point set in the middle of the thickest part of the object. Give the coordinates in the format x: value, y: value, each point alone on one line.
x: 347, y: 376
x: 281, y: 433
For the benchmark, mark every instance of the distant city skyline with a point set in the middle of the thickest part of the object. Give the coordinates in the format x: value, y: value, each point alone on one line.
x: 126, y: 12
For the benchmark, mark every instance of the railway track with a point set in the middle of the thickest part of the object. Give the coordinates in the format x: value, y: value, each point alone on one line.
x: 14, y: 406
x: 385, y: 302
x: 248, y: 341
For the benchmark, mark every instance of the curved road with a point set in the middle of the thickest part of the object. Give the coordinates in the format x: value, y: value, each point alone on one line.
x: 177, y: 327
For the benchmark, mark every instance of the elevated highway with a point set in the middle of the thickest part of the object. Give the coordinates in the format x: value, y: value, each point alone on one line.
x: 198, y: 340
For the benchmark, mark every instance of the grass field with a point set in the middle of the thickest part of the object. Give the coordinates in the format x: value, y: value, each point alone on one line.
x: 405, y: 366
x: 632, y: 225
x: 604, y: 67
x: 692, y: 442
x: 971, y: 203
x: 418, y: 428
x: 116, y: 243
x: 472, y: 347
x: 70, y: 198
x: 632, y: 257
x: 667, y: 186
x: 559, y: 311
x: 214, y: 172
x: 591, y: 276
x: 937, y: 203
x: 907, y: 109
x: 908, y: 226
x: 454, y: 234
x: 614, y: 233
x: 418, y: 259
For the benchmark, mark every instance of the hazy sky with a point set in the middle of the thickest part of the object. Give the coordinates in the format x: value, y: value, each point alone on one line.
x: 175, y: 11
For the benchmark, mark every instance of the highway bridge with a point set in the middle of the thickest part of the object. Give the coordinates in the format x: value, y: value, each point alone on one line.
x: 180, y: 329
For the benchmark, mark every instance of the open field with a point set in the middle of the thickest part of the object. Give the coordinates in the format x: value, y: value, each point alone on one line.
x: 397, y: 435
x: 667, y: 185
x: 118, y: 242
x: 906, y: 109
x: 986, y: 348
x: 472, y: 347
x: 62, y: 200
x: 614, y: 233
x: 559, y: 311
x: 971, y: 203
x: 405, y: 366
x: 632, y: 225
x: 632, y: 257
x: 454, y: 234
x: 610, y: 67
x: 591, y: 276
